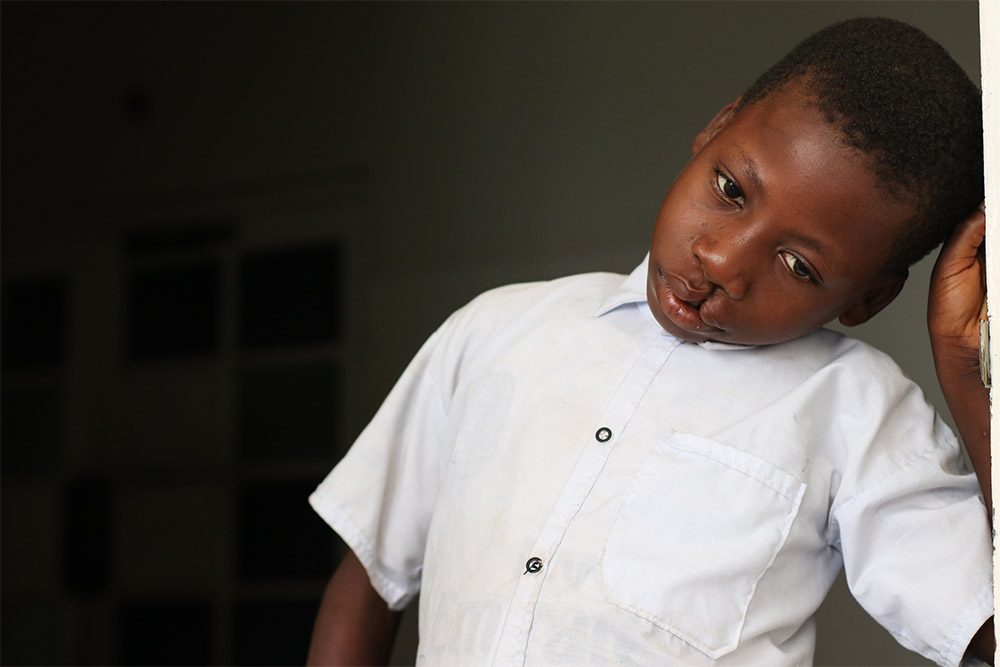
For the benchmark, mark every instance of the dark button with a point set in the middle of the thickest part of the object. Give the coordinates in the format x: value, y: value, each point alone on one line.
x: 533, y: 565
x: 603, y: 434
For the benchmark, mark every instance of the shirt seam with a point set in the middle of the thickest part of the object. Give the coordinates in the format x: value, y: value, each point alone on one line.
x: 878, y: 484
x: 396, y: 596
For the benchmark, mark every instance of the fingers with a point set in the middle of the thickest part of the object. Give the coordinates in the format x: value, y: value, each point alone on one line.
x: 973, y: 228
x: 967, y: 239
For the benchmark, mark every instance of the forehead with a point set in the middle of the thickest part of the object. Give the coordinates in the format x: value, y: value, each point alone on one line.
x: 796, y: 167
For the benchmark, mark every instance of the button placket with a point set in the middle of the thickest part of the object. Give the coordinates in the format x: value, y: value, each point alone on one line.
x: 513, y: 639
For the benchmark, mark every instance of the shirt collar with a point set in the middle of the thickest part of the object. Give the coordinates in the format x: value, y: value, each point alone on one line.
x: 633, y: 291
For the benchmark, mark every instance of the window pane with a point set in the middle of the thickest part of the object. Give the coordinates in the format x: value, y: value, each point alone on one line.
x: 280, y: 537
x: 173, y: 311
x: 86, y: 534
x: 291, y: 296
x: 159, y: 632
x: 34, y: 323
x: 289, y: 413
x: 273, y: 632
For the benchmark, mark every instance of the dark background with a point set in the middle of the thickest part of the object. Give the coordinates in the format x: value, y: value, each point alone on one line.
x: 227, y: 226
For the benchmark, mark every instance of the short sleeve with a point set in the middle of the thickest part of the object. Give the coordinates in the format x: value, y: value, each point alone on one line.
x: 380, y: 496
x: 917, y: 553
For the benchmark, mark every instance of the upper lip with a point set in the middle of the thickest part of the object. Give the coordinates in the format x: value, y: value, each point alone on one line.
x: 693, y: 296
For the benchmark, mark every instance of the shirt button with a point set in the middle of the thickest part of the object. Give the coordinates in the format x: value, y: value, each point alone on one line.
x: 603, y: 434
x: 533, y: 565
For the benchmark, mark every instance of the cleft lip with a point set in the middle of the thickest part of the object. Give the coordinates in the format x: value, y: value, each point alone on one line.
x: 694, y: 303
x: 680, y: 303
x: 693, y: 296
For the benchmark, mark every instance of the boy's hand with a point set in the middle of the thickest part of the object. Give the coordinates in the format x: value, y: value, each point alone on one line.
x: 958, y: 295
x: 956, y: 304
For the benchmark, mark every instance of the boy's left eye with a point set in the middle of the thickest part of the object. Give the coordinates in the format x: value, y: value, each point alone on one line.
x: 797, y: 266
x: 729, y: 188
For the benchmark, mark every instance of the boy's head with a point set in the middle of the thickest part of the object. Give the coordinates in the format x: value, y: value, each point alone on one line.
x: 897, y: 96
x: 809, y: 196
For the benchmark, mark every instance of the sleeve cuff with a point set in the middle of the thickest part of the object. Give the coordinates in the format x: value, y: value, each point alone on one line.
x: 396, y: 589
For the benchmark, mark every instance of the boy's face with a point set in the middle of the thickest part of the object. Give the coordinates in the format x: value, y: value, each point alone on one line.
x: 773, y: 229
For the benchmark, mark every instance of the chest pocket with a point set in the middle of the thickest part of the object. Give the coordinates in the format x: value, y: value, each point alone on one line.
x: 700, y: 524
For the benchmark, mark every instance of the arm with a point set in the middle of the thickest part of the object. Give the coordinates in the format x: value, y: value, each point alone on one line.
x: 354, y: 625
x: 957, y: 302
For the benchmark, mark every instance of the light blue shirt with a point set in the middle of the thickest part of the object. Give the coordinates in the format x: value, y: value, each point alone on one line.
x: 565, y: 483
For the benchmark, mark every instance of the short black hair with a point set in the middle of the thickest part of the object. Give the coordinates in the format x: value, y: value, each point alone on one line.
x: 899, y: 97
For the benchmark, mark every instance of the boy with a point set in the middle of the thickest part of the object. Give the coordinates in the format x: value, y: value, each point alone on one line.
x: 672, y: 468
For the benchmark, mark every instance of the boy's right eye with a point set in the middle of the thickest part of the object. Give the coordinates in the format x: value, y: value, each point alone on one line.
x: 728, y: 188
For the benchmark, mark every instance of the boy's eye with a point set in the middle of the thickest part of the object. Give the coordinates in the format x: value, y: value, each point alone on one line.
x: 797, y: 266
x: 729, y: 188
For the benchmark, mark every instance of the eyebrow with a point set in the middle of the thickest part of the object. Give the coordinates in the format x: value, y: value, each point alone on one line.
x: 814, y: 244
x: 750, y: 172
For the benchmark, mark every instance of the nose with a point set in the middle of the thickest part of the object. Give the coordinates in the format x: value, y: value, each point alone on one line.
x: 724, y: 258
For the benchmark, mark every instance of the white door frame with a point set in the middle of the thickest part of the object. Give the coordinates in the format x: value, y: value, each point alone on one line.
x: 989, y: 29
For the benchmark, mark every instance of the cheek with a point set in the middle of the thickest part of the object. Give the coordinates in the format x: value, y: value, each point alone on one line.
x: 802, y: 314
x: 678, y: 225
x: 774, y: 306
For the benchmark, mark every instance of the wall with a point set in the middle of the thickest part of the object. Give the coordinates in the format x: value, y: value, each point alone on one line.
x: 447, y: 147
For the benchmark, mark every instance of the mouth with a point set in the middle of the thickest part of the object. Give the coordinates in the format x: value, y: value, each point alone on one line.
x: 682, y: 305
x: 685, y: 313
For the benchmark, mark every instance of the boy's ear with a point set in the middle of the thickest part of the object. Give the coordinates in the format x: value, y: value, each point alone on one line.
x: 875, y: 299
x: 720, y: 120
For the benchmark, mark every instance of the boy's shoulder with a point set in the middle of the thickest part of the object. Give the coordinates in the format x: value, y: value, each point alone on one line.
x: 834, y: 347
x: 833, y: 362
x: 520, y: 309
x: 584, y: 292
x: 569, y: 286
